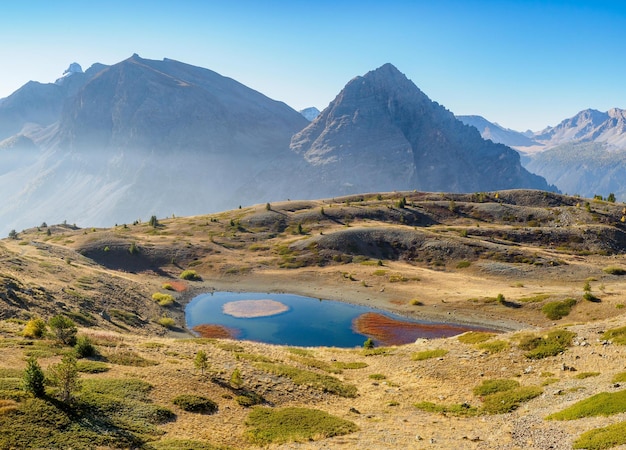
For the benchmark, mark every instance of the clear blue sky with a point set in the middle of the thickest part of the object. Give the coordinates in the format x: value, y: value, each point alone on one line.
x: 523, y: 64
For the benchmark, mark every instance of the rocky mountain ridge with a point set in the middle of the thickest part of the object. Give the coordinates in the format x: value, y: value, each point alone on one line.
x: 143, y: 137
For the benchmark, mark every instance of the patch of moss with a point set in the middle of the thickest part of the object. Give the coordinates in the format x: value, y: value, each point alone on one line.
x: 602, y: 438
x: 279, y: 426
x: 602, y: 404
x: 429, y: 354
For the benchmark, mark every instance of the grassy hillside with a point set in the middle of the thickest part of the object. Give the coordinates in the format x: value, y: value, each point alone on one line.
x: 545, y: 269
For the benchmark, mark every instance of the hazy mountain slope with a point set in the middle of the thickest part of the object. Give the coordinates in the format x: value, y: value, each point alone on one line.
x: 586, y: 169
x: 146, y: 137
x: 588, y: 126
x: 382, y: 133
x: 496, y: 133
x: 40, y: 104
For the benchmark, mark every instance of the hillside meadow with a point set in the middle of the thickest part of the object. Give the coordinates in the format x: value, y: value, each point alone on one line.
x: 544, y: 271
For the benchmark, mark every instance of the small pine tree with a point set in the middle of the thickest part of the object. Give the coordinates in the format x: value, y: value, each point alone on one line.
x: 153, y: 222
x: 300, y: 229
x: 611, y: 198
x: 236, y: 379
x: 33, y: 379
x: 201, y: 361
x: 64, y: 329
x: 65, y: 376
x: 12, y: 234
x: 268, y: 207
x: 133, y: 248
x: 368, y: 343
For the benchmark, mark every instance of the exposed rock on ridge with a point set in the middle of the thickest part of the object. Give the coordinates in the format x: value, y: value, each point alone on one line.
x: 382, y: 133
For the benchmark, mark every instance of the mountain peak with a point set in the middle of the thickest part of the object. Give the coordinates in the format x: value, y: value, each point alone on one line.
x: 71, y: 70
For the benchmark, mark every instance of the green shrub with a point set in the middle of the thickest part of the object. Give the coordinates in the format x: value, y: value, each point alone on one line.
x: 602, y: 438
x: 603, y: 404
x: 368, y: 343
x: 190, y: 275
x: 495, y: 346
x: 167, y: 287
x: 489, y: 387
x: 428, y: 354
x: 325, y: 383
x: 166, y: 322
x: 463, y: 264
x: 552, y: 344
x: 279, y: 426
x: 591, y: 298
x: 84, y: 348
x: 558, y: 310
x: 34, y: 328
x: 507, y: 401
x: 377, y: 376
x: 195, y: 404
x: 236, y: 380
x: 162, y: 299
x: 248, y: 399
x: 64, y: 329
x: 616, y: 335
x: 614, y: 270
x: 92, y: 367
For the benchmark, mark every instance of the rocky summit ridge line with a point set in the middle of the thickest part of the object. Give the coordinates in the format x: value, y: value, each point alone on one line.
x: 143, y: 137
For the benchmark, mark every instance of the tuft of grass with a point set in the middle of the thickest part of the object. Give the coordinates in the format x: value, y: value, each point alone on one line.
x: 539, y: 347
x: 249, y: 399
x: 463, y: 409
x: 489, y: 387
x: 377, y: 376
x: 495, y: 346
x: 558, y: 310
x: 602, y: 404
x: 167, y: 287
x: 379, y: 273
x: 474, y: 337
x: 166, y: 322
x: 300, y: 351
x: 534, y: 298
x: 349, y: 365
x: 614, y: 270
x: 602, y: 438
x: 429, y: 354
x: 376, y: 351
x: 583, y: 375
x: 129, y: 358
x: 254, y: 357
x: 190, y: 275
x: 163, y: 299
x: 279, y: 426
x: 195, y: 404
x: 463, y: 264
x: 182, y: 444
x: 616, y: 335
x: 507, y: 401
x: 619, y: 378
x: 416, y: 302
x: 325, y: 383
x: 92, y: 367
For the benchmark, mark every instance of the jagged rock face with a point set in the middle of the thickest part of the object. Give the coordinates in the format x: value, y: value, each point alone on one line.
x: 383, y: 133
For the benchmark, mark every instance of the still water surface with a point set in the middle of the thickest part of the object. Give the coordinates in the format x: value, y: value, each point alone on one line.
x: 309, y: 322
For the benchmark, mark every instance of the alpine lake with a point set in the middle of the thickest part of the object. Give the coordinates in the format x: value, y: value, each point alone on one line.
x: 294, y: 320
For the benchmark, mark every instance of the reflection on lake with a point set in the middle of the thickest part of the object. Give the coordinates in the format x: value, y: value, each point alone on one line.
x: 303, y: 321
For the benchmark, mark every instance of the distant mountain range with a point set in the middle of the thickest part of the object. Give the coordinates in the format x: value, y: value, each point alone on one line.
x: 119, y: 143
x: 585, y: 154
